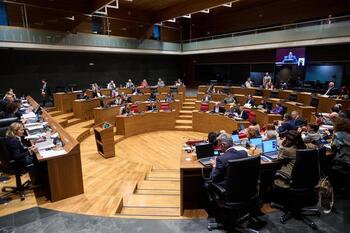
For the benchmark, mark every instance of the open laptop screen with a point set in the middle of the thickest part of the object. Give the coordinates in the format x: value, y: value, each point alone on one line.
x: 204, y: 150
x: 256, y: 141
x: 235, y: 138
x: 269, y: 146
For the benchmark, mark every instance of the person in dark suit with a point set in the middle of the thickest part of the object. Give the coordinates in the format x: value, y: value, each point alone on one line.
x: 331, y: 89
x: 298, y: 121
x: 286, y: 125
x: 18, y: 151
x: 243, y: 114
x: 250, y: 100
x: 225, y: 143
x: 218, y: 108
x: 45, y: 92
x: 152, y: 107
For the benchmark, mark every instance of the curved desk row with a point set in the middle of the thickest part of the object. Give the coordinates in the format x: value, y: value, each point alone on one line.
x: 83, y: 109
x: 324, y: 105
x: 145, y: 122
x: 109, y: 114
x: 64, y: 172
x: 207, y: 122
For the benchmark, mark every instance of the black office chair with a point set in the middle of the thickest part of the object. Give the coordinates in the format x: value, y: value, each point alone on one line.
x: 285, y: 110
x: 5, y: 122
x: 226, y: 90
x: 302, y: 193
x: 258, y: 92
x: 274, y: 94
x: 293, y: 97
x: 314, y: 102
x: 239, y: 200
x: 11, y: 167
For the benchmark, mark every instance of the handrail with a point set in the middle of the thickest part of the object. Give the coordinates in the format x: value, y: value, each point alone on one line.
x: 328, y: 20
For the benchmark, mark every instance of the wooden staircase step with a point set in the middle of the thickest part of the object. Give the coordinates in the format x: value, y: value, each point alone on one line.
x: 188, y: 108
x: 166, y: 212
x: 73, y: 121
x: 169, y: 174
x: 66, y: 116
x: 185, y: 117
x: 55, y: 113
x: 183, y: 127
x: 190, y: 99
x: 185, y: 112
x: 159, y: 185
x: 153, y: 201
x: 189, y: 104
x: 183, y: 122
x: 156, y: 192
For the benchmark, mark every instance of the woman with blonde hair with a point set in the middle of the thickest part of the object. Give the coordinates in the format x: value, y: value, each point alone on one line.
x: 18, y: 151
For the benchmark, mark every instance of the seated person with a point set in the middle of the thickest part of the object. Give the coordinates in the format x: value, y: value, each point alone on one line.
x: 211, y: 89
x: 218, y: 108
x: 206, y: 98
x: 111, y: 85
x: 178, y: 83
x: 250, y: 100
x: 144, y: 83
x: 326, y: 118
x: 152, y: 97
x: 152, y: 107
x: 129, y: 84
x: 252, y: 133
x: 254, y: 126
x: 242, y: 114
x: 114, y: 93
x: 248, y: 83
x: 137, y: 91
x: 230, y: 99
x: 125, y: 110
x: 85, y: 96
x: 262, y: 105
x: 13, y: 110
x: 331, y: 90
x: 169, y: 98
x: 278, y: 109
x: 269, y: 86
x: 119, y: 100
x: 5, y: 102
x: 290, y: 58
x: 310, y: 134
x: 233, y: 111
x: 18, y: 151
x: 270, y: 132
x: 212, y: 140
x: 287, y: 153
x: 298, y: 122
x: 344, y: 93
x: 286, y: 125
x: 220, y: 164
x: 95, y: 90
x: 160, y: 83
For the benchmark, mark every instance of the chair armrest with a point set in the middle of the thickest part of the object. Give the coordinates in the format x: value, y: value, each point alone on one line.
x: 282, y: 175
x: 219, y: 188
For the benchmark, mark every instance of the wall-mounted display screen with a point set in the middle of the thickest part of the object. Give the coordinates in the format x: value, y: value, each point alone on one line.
x: 294, y: 56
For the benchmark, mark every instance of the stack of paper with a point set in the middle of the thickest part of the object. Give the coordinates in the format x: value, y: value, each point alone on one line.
x: 29, y: 115
x: 51, y: 153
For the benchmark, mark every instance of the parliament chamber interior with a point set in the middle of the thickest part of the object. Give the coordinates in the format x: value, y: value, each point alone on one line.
x: 174, y: 116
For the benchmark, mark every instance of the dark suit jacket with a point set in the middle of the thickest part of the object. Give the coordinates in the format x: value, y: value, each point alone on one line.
x: 245, y: 115
x: 219, y: 172
x: 251, y: 102
x: 332, y: 91
x: 16, y: 149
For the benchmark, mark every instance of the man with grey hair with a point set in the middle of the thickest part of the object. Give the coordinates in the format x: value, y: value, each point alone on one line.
x: 220, y: 165
x: 331, y: 89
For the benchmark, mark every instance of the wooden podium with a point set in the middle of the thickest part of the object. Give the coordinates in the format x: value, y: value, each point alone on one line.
x: 104, y: 140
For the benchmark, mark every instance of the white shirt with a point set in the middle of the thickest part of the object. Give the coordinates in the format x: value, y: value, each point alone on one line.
x: 248, y: 84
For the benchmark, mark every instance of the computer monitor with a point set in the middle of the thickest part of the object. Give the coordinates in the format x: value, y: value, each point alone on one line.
x: 204, y: 150
x: 257, y: 142
x: 269, y: 146
x: 235, y: 139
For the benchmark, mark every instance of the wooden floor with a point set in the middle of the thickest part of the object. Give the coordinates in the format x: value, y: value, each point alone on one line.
x: 143, y: 178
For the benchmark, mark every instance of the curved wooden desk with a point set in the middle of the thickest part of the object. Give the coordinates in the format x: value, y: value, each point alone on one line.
x: 145, y: 122
x: 64, y: 172
x: 83, y: 109
x: 63, y: 101
x: 106, y: 114
x: 208, y: 122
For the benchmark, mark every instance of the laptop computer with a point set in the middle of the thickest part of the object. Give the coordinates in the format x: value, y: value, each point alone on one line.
x: 204, y: 152
x: 269, y: 149
x: 235, y: 139
x: 256, y: 142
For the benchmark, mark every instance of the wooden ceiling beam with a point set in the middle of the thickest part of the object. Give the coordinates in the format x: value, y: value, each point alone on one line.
x: 185, y: 8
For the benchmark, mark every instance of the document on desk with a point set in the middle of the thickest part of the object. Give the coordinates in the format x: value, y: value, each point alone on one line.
x: 45, y: 144
x: 29, y: 115
x: 240, y: 148
x: 51, y: 153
